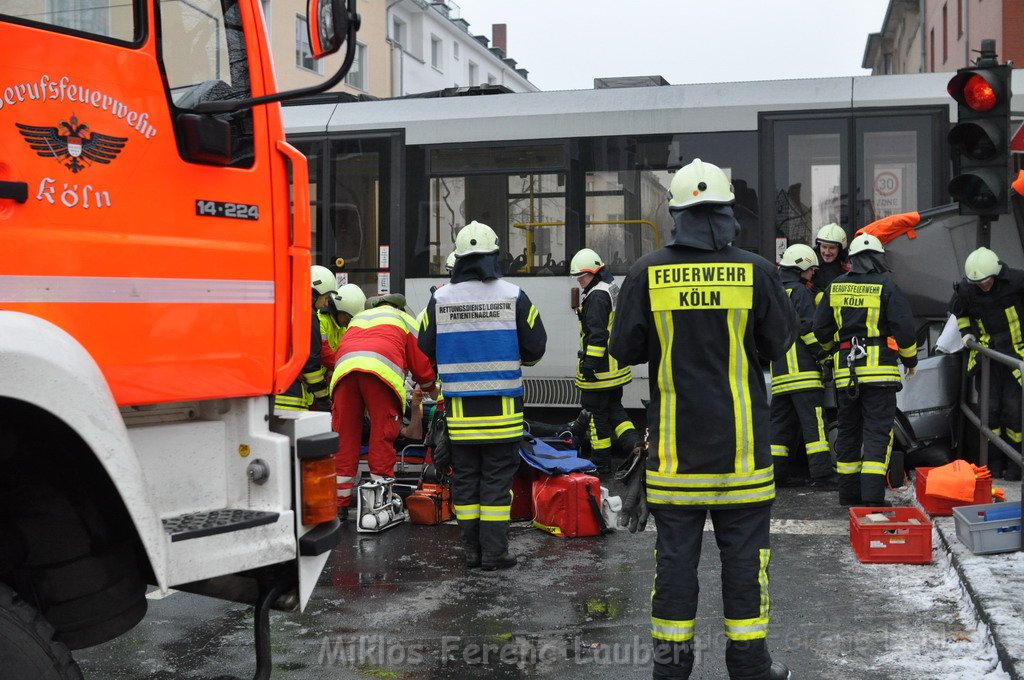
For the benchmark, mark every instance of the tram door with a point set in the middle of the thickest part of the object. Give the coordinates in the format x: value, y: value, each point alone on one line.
x: 354, y: 209
x: 847, y: 167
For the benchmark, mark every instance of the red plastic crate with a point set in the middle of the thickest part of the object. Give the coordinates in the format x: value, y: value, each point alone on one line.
x: 943, y: 507
x: 898, y: 540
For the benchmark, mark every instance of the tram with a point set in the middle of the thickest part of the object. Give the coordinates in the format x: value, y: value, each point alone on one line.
x: 392, y: 181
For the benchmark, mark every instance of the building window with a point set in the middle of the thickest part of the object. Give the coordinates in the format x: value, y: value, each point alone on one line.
x: 398, y: 31
x: 887, y: 64
x: 357, y: 74
x: 303, y: 52
x: 455, y: 50
x: 959, y: 18
x: 474, y: 74
x: 435, y: 52
x: 931, y: 51
x: 945, y: 33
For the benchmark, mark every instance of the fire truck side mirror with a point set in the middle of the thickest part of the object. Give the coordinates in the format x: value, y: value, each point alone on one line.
x: 206, y: 139
x: 328, y: 26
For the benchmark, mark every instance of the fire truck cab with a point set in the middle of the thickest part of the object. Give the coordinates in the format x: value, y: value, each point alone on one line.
x: 154, y: 295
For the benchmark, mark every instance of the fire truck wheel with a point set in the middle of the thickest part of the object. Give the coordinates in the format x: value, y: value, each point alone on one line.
x: 27, y: 646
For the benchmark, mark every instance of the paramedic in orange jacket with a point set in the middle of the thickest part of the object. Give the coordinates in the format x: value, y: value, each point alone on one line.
x: 378, y: 349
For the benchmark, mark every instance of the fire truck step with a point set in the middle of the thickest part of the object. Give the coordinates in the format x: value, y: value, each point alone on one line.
x: 198, y: 524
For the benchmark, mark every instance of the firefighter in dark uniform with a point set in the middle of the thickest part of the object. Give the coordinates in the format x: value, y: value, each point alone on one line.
x: 701, y: 312
x: 869, y: 318
x: 311, y: 389
x: 480, y: 330
x: 598, y: 375
x: 831, y: 245
x: 798, y: 395
x: 989, y: 308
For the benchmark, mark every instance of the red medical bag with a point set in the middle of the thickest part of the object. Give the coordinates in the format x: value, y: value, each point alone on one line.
x: 430, y: 504
x: 568, y: 505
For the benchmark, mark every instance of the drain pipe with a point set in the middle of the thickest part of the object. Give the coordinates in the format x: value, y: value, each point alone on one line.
x: 967, y: 31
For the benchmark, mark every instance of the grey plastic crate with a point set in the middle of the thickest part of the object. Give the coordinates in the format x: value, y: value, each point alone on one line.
x: 985, y: 538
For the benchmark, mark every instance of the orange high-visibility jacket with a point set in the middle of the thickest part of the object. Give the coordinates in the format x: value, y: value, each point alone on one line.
x: 382, y: 341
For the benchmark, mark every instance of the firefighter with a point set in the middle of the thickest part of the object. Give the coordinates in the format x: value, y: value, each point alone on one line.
x: 798, y: 395
x: 989, y: 307
x: 479, y: 330
x: 378, y: 349
x: 310, y: 389
x: 700, y: 312
x: 869, y: 318
x: 831, y: 245
x: 598, y: 375
x: 449, y: 263
x: 345, y: 303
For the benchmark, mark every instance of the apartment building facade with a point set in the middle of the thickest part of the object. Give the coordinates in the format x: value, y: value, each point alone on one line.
x: 403, y: 47
x: 943, y: 35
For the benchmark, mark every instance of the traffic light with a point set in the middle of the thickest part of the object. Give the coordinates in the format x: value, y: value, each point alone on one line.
x: 980, y: 140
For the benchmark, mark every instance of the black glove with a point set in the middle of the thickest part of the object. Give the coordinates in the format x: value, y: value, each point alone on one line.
x: 588, y: 368
x: 321, y: 404
x: 632, y: 473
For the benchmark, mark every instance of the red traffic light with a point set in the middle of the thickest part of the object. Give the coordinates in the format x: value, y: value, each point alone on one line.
x: 979, y: 95
x: 978, y: 90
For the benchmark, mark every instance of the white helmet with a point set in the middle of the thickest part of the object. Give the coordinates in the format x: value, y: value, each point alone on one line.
x: 831, y: 233
x: 981, y: 264
x: 349, y: 298
x: 799, y: 256
x: 449, y: 264
x: 585, y: 261
x: 699, y: 183
x: 323, y: 279
x: 863, y: 243
x: 475, y: 238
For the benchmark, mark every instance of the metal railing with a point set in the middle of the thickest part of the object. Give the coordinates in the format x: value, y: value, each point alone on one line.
x: 980, y: 420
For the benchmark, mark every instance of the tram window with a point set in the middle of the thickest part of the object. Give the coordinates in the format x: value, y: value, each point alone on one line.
x: 627, y: 182
x: 809, y: 177
x: 526, y: 210
x: 627, y: 215
x: 890, y: 173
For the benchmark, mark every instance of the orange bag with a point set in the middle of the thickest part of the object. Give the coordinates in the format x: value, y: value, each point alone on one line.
x: 888, y: 228
x: 954, y: 481
x: 430, y: 504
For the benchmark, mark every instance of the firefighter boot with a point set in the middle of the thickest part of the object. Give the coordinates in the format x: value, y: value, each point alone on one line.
x: 503, y: 561
x: 750, y: 660
x: 471, y: 542
x: 673, y: 660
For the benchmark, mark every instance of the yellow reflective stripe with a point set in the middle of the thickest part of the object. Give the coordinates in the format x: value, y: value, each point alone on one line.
x: 531, y: 318
x: 465, y: 512
x: 1015, y: 334
x: 667, y: 461
x: 1013, y: 436
x: 820, y: 445
x: 424, y: 320
x: 740, y: 388
x: 963, y: 323
x: 727, y: 479
x: 672, y: 630
x: 622, y: 428
x: 851, y: 468
x: 596, y: 351
x: 816, y: 447
x: 460, y: 434
x: 314, y: 376
x: 601, y: 444
x: 909, y: 351
x: 872, y: 467
x: 495, y: 513
x: 780, y: 450
x: 819, y: 416
x: 710, y: 497
x: 809, y: 338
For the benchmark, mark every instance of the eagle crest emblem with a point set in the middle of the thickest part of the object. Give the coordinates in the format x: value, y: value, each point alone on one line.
x: 72, y: 144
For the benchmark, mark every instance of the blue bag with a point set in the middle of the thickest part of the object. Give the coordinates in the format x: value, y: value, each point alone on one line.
x: 539, y: 454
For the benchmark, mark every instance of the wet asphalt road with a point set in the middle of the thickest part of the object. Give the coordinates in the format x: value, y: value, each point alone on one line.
x: 400, y: 606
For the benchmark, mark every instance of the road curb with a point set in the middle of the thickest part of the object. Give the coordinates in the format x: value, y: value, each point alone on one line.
x: 1007, y: 660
